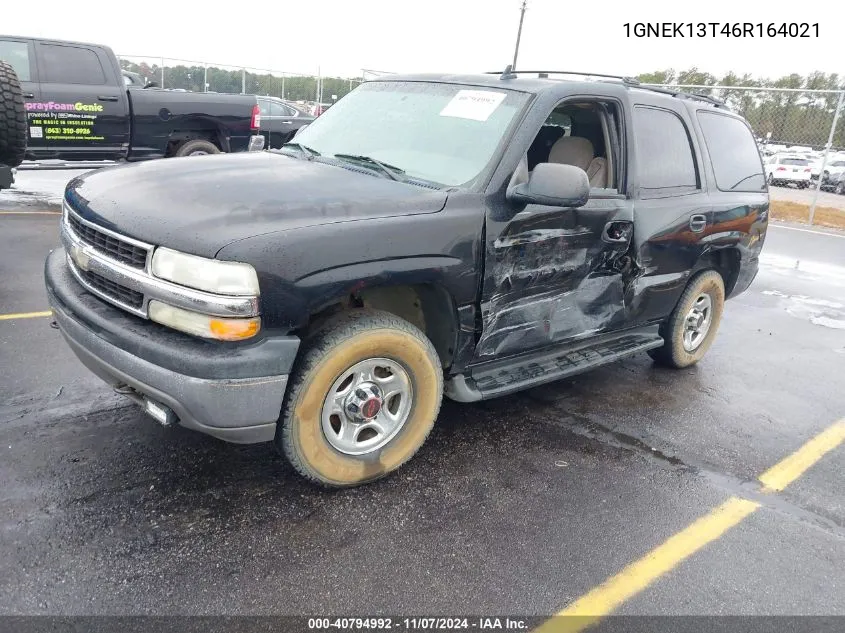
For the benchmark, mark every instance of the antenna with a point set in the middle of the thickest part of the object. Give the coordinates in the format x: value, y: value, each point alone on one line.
x: 519, y: 33
x: 508, y: 73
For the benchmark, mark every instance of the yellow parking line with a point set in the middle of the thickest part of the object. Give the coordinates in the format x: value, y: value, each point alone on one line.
x: 607, y: 597
x: 791, y: 468
x: 25, y: 315
x: 30, y: 212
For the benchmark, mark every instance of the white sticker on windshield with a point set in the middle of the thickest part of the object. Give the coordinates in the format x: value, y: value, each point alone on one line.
x: 473, y: 104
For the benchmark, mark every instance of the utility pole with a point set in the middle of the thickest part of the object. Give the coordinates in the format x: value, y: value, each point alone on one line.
x: 827, y: 149
x: 519, y: 33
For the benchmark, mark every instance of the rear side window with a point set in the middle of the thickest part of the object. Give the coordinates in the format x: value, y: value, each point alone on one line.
x: 70, y: 65
x: 664, y: 153
x: 16, y: 54
x: 736, y: 160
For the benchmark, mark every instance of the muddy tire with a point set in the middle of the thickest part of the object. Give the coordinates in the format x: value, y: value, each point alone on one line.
x: 12, y: 118
x: 197, y: 148
x: 694, y: 322
x: 362, y: 399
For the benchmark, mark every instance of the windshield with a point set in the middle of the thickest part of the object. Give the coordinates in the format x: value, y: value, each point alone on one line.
x: 443, y: 133
x: 794, y: 161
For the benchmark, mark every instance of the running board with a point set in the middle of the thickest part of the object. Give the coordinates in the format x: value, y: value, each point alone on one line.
x: 499, y: 378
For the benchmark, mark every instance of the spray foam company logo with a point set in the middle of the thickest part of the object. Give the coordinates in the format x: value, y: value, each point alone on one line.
x: 52, y: 106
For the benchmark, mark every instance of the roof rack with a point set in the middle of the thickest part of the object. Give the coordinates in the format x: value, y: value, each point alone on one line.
x: 685, y: 95
x: 544, y: 74
x: 509, y: 73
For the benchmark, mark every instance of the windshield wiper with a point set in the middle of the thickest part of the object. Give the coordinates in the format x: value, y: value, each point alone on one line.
x: 309, y: 153
x: 394, y: 173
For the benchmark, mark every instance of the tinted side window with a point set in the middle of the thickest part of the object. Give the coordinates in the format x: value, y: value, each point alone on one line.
x: 16, y: 54
x: 664, y: 152
x: 736, y: 160
x: 70, y: 65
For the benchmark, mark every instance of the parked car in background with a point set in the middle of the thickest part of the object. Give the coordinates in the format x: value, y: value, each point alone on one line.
x: 80, y: 105
x: 788, y: 169
x: 833, y: 171
x: 318, y: 108
x: 839, y: 186
x: 280, y: 120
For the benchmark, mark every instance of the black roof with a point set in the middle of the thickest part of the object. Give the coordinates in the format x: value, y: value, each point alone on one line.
x: 536, y: 82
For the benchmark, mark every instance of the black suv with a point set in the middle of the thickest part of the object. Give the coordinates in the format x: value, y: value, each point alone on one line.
x: 428, y: 235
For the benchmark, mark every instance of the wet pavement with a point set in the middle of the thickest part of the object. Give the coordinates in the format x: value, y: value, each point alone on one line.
x: 517, y: 505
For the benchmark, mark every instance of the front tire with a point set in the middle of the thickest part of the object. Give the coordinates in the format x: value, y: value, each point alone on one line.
x: 362, y: 400
x: 692, y: 326
x: 840, y: 188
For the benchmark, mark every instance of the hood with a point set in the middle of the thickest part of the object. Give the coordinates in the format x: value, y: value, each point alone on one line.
x: 200, y: 204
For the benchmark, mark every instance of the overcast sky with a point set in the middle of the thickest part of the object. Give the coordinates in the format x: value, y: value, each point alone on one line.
x: 344, y: 36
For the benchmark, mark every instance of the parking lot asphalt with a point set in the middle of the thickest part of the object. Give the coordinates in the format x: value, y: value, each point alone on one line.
x: 520, y: 505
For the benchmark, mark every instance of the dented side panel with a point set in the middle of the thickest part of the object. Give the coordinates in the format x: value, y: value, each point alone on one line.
x: 550, y: 277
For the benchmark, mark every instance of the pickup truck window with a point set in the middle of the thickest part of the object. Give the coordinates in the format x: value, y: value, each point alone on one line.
x: 71, y: 65
x: 736, y: 160
x: 16, y: 54
x: 664, y: 150
x: 443, y: 133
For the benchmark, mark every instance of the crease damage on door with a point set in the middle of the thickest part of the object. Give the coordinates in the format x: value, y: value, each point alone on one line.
x: 565, y: 285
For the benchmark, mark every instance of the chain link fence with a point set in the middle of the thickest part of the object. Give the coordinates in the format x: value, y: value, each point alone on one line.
x: 808, y: 123
x: 199, y: 76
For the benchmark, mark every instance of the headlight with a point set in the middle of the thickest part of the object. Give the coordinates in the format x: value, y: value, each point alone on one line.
x: 220, y: 328
x: 226, y: 278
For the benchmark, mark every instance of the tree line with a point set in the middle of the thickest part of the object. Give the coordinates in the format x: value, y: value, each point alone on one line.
x: 291, y: 87
x: 792, y: 118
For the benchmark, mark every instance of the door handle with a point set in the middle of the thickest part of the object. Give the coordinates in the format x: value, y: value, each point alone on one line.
x: 697, y: 223
x: 107, y: 98
x: 28, y: 95
x: 287, y: 122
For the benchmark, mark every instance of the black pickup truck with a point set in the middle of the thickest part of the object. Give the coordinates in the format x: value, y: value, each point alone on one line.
x: 79, y: 107
x: 461, y: 235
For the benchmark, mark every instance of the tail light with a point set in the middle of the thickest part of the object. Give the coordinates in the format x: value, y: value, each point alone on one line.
x: 781, y: 169
x: 255, y: 123
x: 808, y: 169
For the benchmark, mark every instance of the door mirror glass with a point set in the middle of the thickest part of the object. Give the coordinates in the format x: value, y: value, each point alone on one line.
x: 554, y: 185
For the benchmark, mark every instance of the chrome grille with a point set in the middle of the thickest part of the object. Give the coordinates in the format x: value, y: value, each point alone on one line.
x: 120, y: 250
x: 126, y: 296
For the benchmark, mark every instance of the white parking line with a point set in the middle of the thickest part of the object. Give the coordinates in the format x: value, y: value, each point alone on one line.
x: 792, y: 228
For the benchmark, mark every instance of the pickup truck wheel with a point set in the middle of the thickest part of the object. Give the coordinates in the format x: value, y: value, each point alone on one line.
x: 362, y: 400
x: 12, y: 118
x: 693, y: 324
x: 197, y: 148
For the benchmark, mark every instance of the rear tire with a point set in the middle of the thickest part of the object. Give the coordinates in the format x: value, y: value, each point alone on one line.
x: 840, y: 188
x: 197, y: 148
x: 692, y: 326
x: 343, y: 364
x: 12, y: 118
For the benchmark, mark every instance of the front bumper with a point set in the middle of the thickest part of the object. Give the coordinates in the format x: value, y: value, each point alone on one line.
x: 232, y: 392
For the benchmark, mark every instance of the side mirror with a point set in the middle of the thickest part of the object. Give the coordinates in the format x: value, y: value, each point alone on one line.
x: 554, y: 185
x: 151, y: 84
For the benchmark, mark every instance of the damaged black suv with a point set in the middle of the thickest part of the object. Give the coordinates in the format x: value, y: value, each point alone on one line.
x: 428, y: 235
